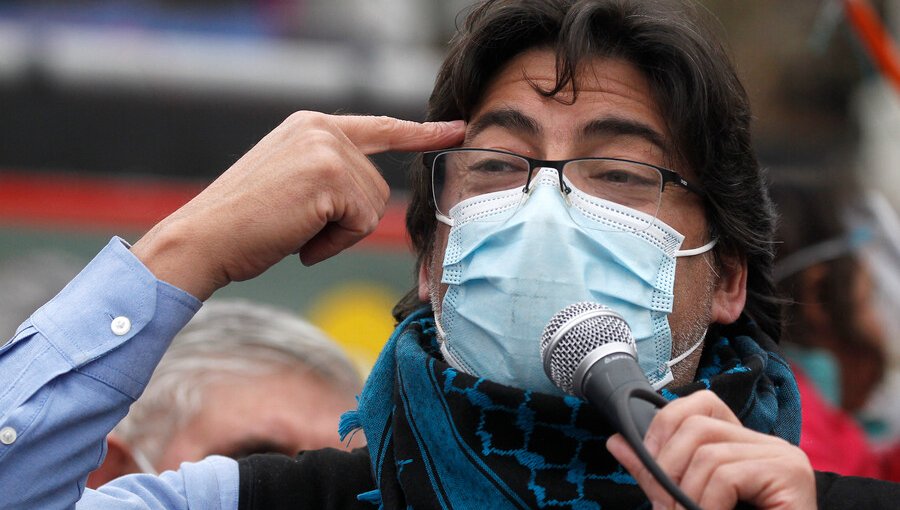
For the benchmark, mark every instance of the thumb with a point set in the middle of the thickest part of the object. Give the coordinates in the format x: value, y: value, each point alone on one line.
x: 379, y: 134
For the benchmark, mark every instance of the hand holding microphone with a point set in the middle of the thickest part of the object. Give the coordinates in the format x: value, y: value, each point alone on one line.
x: 588, y: 351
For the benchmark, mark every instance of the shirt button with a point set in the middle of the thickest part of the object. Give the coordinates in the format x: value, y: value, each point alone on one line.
x: 121, y: 325
x: 8, y: 435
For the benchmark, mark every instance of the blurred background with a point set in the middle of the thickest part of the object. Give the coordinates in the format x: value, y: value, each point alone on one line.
x: 113, y: 113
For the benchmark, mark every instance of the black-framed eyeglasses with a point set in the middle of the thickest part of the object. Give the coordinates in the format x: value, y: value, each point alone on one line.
x: 461, y: 173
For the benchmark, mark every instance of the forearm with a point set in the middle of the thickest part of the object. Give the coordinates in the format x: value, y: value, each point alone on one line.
x: 308, y: 187
x: 209, y: 484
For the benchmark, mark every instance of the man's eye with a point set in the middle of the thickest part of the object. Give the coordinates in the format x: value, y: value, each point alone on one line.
x: 494, y: 165
x: 616, y: 176
x: 624, y: 178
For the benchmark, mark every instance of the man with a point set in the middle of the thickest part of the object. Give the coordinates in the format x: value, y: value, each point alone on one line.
x: 664, y: 170
x: 240, y: 378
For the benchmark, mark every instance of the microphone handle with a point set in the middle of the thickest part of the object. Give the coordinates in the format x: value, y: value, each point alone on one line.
x: 609, y: 385
x: 616, y: 385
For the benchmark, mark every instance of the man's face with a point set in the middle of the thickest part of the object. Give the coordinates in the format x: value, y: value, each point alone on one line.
x: 283, y: 412
x: 614, y: 116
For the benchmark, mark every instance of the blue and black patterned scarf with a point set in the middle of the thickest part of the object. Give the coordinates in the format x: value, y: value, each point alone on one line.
x: 440, y: 438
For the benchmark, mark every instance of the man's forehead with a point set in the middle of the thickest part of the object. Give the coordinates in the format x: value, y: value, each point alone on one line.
x: 606, y: 126
x: 613, y: 100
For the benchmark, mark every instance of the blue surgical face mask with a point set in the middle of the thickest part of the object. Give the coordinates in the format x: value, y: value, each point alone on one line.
x: 513, y: 260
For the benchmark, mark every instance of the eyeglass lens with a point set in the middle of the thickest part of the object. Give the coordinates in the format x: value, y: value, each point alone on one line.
x: 459, y: 175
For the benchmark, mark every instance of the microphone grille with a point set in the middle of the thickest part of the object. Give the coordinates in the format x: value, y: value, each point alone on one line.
x: 573, y: 333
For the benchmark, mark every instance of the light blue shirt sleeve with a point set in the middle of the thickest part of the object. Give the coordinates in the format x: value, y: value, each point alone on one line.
x: 69, y: 375
x: 210, y: 484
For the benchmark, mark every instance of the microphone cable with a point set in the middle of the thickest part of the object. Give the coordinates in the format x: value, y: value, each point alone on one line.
x: 628, y: 429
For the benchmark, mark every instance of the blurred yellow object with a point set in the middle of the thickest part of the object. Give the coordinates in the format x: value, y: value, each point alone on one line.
x: 358, y: 317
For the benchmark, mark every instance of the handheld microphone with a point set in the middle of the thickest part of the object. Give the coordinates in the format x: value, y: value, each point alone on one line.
x: 588, y: 351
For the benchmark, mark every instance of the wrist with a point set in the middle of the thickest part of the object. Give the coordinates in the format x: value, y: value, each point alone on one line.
x: 175, y: 256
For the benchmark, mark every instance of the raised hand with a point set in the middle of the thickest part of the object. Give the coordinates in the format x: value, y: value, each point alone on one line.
x: 307, y: 187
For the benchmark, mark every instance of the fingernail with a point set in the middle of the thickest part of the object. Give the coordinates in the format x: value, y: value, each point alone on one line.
x: 455, y: 124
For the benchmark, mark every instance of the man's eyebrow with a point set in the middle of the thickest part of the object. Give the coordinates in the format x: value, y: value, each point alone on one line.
x: 507, y: 118
x: 617, y: 126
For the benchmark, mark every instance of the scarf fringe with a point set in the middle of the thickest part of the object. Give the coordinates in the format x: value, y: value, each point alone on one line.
x: 373, y: 496
x: 350, y: 422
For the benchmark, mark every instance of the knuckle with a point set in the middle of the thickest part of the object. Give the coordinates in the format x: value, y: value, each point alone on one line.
x: 384, y: 190
x: 726, y: 475
x: 706, y: 396
x: 384, y: 123
x: 708, y: 455
x: 696, y: 423
x: 663, y: 422
x: 320, y: 139
x: 642, y: 475
x: 391, y: 128
x: 306, y: 118
x: 323, y: 210
x: 324, y: 150
x: 697, y: 429
x: 433, y: 129
x: 371, y: 222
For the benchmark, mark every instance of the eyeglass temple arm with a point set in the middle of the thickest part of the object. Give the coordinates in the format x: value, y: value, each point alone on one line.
x: 673, y: 177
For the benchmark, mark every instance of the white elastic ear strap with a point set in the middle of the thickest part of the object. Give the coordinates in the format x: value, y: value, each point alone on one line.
x: 446, y: 220
x: 676, y: 360
x: 696, y: 251
x: 440, y: 330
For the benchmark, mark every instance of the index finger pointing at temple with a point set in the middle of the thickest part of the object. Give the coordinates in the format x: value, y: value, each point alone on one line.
x: 379, y: 134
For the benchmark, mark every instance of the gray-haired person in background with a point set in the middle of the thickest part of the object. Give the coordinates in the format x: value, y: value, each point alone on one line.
x: 240, y: 378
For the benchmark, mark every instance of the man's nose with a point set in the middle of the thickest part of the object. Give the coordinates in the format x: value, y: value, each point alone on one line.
x: 549, y: 176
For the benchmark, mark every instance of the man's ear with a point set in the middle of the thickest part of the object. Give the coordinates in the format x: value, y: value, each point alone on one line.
x: 730, y: 294
x: 424, y: 277
x: 118, y: 462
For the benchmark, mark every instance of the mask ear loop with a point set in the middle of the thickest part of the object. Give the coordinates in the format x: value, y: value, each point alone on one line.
x: 697, y: 251
x: 446, y: 220
x: 678, y: 359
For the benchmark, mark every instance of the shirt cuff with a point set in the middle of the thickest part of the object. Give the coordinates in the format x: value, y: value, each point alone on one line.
x: 112, y: 301
x: 210, y: 484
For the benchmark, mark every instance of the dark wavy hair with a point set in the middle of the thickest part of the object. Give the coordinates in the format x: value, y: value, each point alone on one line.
x: 692, y: 80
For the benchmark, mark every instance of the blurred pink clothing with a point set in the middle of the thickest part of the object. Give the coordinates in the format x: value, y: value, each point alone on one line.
x: 835, y: 442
